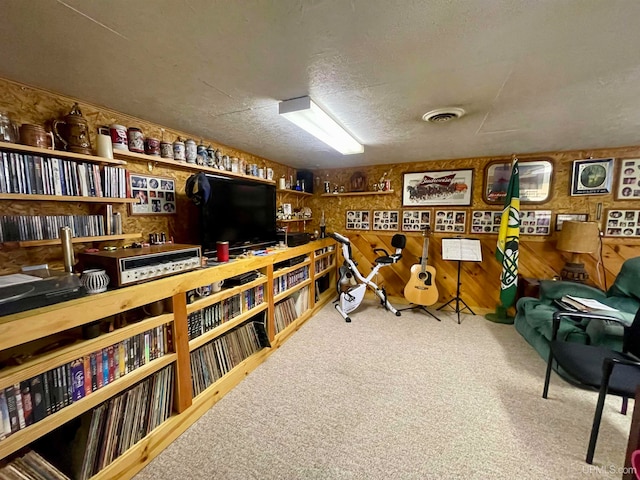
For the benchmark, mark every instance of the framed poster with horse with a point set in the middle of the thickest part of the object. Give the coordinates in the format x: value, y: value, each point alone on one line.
x: 446, y: 187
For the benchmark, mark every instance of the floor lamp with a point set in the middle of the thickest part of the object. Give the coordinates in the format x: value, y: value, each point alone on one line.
x: 576, y: 238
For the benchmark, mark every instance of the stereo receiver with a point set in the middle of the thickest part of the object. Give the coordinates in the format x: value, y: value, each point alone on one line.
x: 136, y: 265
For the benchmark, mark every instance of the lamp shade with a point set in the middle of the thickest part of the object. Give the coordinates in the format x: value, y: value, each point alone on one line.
x: 578, y: 237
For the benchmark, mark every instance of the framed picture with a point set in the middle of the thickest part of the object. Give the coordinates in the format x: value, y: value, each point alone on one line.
x: 535, y: 222
x: 622, y: 223
x: 486, y: 221
x: 564, y: 217
x: 535, y: 181
x: 447, y: 187
x: 358, y: 182
x: 592, y: 177
x: 156, y: 195
x: 628, y: 186
x: 385, y: 220
x: 357, y: 220
x: 416, y: 220
x: 450, y: 221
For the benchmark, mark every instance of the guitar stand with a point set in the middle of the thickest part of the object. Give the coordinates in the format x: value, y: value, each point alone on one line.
x: 421, y: 307
x: 458, y: 299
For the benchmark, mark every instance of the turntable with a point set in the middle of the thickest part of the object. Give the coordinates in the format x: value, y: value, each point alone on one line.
x: 23, y: 292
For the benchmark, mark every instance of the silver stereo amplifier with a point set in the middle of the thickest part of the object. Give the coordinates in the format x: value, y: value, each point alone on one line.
x: 137, y: 265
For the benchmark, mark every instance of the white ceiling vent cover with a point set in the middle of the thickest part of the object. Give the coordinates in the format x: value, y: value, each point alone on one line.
x: 441, y: 115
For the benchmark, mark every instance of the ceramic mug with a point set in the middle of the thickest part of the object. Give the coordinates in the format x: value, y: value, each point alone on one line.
x: 36, y: 136
x: 119, y: 136
x: 178, y: 150
x: 104, y: 147
x: 166, y: 150
x: 136, y: 140
x: 154, y: 309
x: 217, y: 286
x: 152, y: 147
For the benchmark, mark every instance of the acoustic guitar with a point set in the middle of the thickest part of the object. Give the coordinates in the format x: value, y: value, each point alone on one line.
x: 421, y: 288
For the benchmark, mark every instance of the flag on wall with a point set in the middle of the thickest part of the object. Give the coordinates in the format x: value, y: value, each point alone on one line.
x: 509, y: 238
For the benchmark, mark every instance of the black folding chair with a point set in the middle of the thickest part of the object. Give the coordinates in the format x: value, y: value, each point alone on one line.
x: 596, y: 367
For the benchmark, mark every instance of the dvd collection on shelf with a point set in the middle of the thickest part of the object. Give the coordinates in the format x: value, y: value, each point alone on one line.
x: 210, y: 317
x: 101, y: 435
x: 216, y: 358
x: 33, y: 174
x: 323, y: 263
x: 290, y: 279
x: 33, y: 399
x: 22, y: 228
x: 289, y: 309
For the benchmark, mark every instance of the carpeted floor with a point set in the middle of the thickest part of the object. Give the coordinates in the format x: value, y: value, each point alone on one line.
x: 398, y: 397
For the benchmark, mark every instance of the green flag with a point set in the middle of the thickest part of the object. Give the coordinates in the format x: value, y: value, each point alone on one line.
x: 508, y: 239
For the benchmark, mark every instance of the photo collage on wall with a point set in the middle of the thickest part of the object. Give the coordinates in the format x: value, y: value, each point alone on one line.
x: 357, y: 219
x: 415, y: 220
x: 623, y: 223
x: 485, y: 221
x: 385, y: 220
x: 535, y: 222
x: 629, y: 180
x: 452, y: 221
x: 156, y: 195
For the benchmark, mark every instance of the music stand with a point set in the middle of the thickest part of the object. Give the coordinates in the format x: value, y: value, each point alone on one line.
x: 460, y: 250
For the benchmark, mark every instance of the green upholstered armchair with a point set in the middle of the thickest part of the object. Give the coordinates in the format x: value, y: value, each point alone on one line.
x: 534, y: 316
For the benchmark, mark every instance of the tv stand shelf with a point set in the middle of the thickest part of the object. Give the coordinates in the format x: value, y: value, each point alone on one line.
x: 25, y: 330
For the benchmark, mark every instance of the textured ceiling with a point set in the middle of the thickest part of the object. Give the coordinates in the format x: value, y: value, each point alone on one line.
x: 533, y: 76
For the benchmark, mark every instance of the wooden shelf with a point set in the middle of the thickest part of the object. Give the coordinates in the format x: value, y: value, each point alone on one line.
x: 293, y: 326
x: 31, y: 433
x: 322, y: 255
x: 225, y: 327
x: 224, y: 294
x: 283, y: 271
x: 65, y: 198
x: 325, y: 271
x: 295, y: 192
x: 354, y: 194
x: 57, y: 241
x: 295, y: 220
x: 141, y: 157
x: 42, y: 363
x: 290, y: 290
x: 45, y: 152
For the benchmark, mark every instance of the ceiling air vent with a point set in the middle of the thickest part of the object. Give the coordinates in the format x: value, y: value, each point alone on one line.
x: 441, y: 115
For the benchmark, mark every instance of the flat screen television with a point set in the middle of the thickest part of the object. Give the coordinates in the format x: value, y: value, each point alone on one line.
x: 240, y: 212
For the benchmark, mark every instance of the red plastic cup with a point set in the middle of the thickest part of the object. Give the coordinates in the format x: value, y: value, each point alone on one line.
x: 223, y: 251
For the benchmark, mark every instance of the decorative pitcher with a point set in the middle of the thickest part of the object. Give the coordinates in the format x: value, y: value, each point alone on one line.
x: 74, y: 132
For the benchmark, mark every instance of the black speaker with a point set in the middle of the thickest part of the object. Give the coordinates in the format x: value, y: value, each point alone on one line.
x: 306, y: 177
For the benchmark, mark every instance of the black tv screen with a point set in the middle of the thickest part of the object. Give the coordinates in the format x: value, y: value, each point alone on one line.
x: 240, y: 212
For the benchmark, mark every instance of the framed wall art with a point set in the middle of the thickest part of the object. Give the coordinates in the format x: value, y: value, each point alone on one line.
x: 358, y: 220
x: 592, y: 177
x: 415, y: 220
x: 485, y: 221
x: 385, y: 220
x: 448, y: 187
x: 156, y: 195
x: 622, y: 223
x: 535, y: 181
x: 564, y: 217
x: 450, y: 221
x: 628, y: 186
x: 535, y: 222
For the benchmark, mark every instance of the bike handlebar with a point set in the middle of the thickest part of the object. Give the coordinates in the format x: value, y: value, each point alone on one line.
x: 339, y: 238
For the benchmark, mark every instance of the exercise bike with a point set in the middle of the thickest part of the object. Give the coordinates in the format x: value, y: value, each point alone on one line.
x: 352, y: 284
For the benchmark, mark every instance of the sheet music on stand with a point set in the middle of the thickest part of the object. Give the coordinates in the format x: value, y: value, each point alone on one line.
x: 461, y: 249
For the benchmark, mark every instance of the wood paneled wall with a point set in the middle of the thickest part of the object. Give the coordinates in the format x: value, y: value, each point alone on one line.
x: 480, y: 281
x: 27, y: 104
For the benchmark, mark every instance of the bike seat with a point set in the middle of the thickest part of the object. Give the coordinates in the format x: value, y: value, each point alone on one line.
x: 388, y: 259
x: 398, y: 241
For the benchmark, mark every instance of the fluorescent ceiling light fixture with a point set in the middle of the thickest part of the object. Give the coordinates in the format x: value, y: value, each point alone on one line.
x: 310, y: 117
